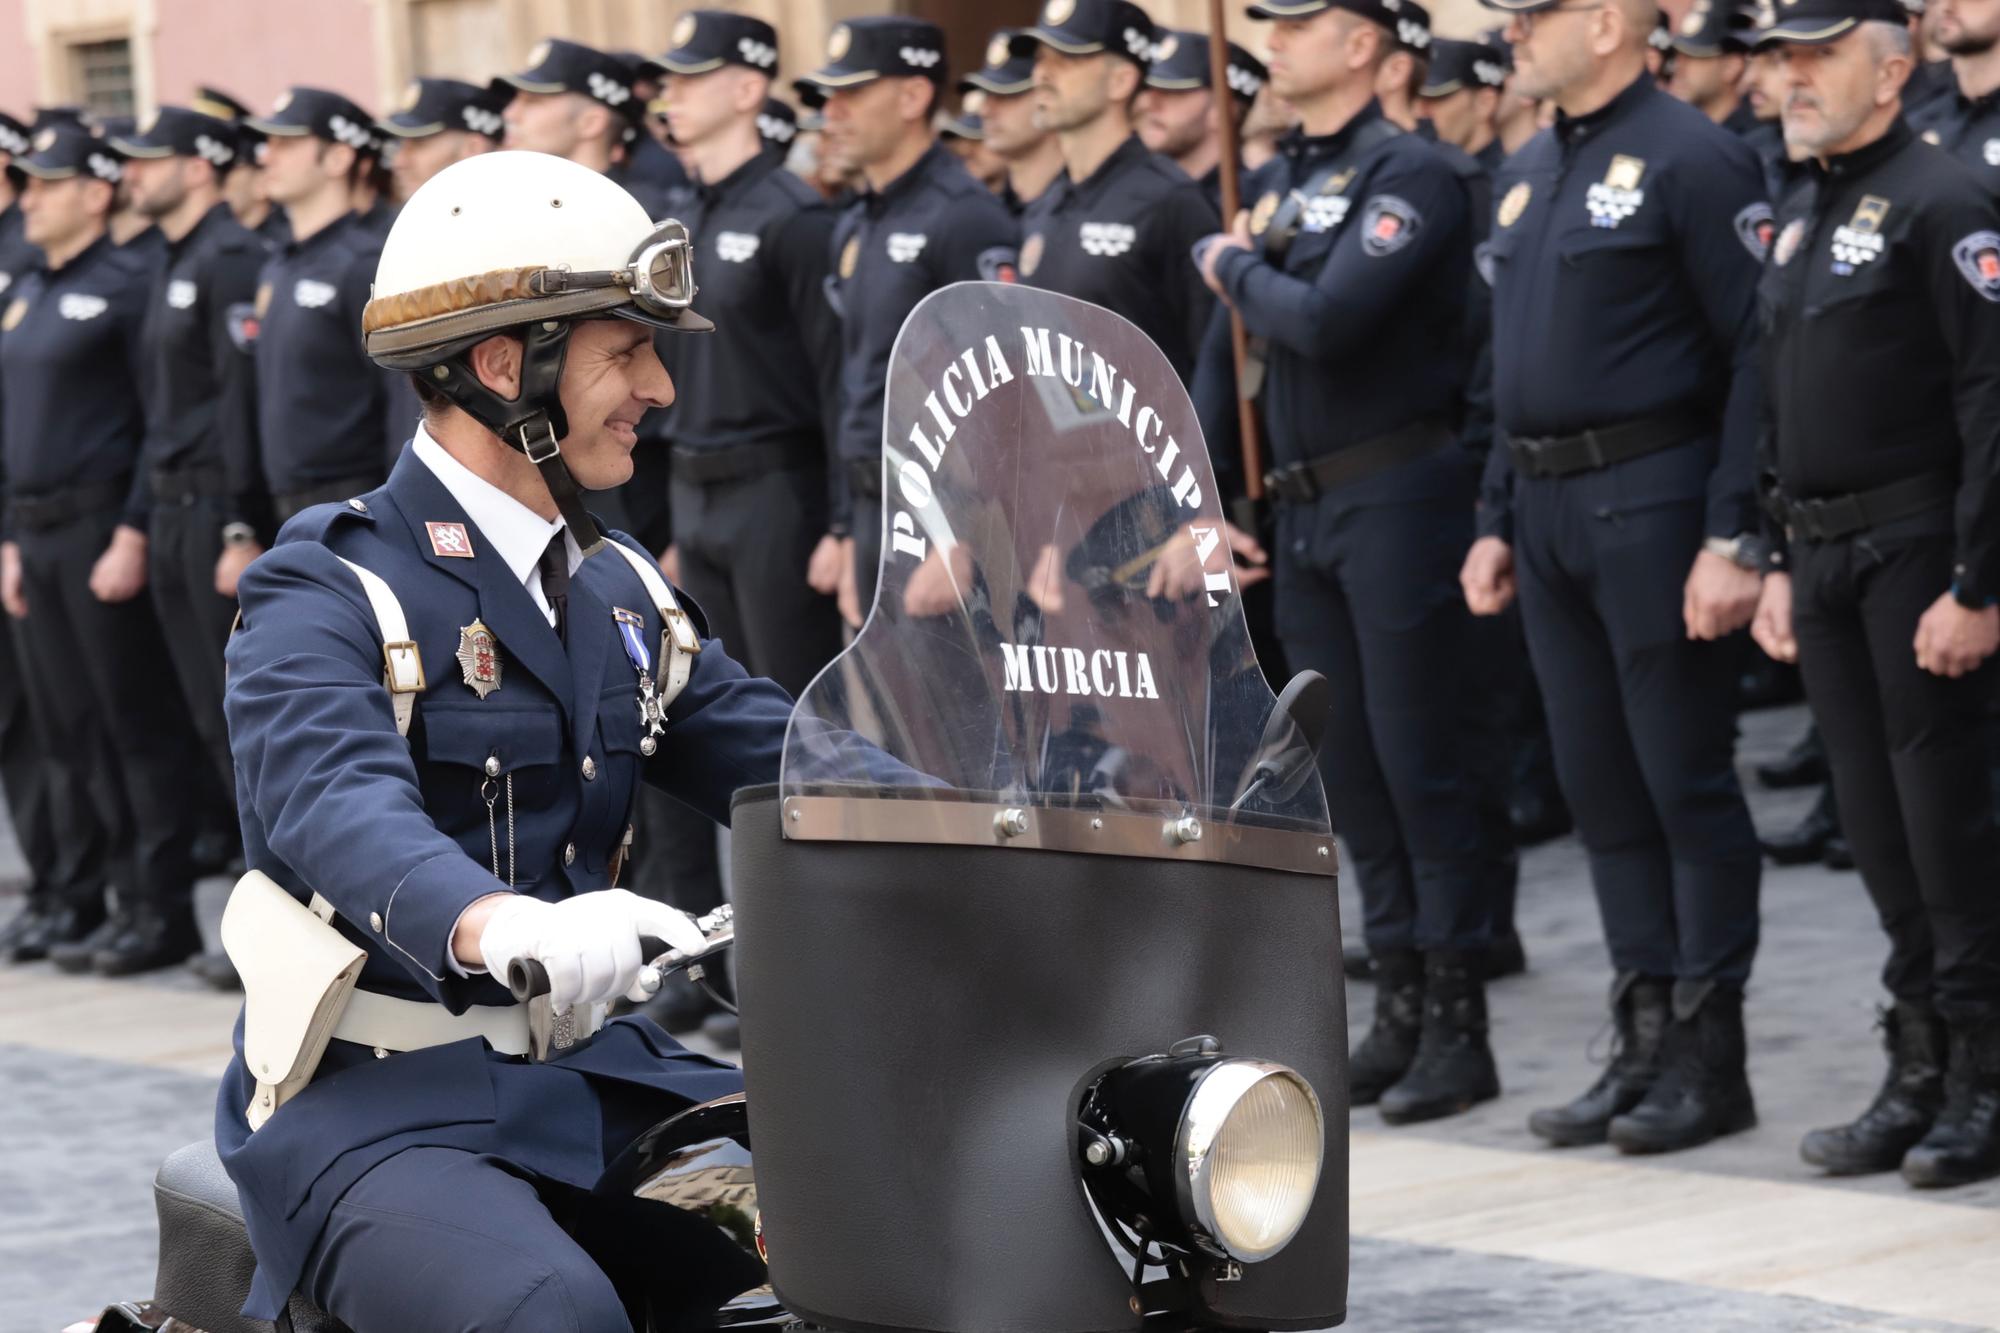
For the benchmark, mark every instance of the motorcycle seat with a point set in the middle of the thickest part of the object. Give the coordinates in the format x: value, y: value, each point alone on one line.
x: 205, y: 1260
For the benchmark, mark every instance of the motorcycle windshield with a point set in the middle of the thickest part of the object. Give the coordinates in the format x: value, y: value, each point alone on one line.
x: 1057, y: 625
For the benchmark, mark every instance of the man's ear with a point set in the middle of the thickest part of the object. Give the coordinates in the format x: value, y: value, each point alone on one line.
x: 497, y: 363
x: 751, y: 90
x: 1127, y: 81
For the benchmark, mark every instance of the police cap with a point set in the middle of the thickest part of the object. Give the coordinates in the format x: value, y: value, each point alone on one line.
x: 178, y: 131
x: 1457, y: 64
x: 708, y: 39
x: 560, y: 66
x: 67, y: 149
x: 967, y: 125
x: 777, y: 123
x: 321, y: 114
x: 55, y: 117
x: 1406, y: 20
x: 1094, y: 27
x: 214, y: 102
x: 866, y: 49
x: 1810, y: 22
x: 1180, y: 62
x: 1710, y: 28
x: 432, y: 106
x: 14, y: 137
x: 1009, y: 70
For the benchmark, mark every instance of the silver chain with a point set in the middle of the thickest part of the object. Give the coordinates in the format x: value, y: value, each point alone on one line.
x: 489, y: 792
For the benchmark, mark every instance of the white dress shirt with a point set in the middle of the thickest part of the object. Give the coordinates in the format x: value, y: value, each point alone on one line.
x: 516, y: 533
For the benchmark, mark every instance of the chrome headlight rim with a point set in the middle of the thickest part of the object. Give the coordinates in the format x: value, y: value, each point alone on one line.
x: 1215, y: 1094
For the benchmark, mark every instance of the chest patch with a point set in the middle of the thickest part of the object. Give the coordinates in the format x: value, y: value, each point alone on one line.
x: 1991, y: 152
x: 905, y: 246
x: 1260, y: 216
x: 78, y: 306
x: 850, y: 255
x: 1325, y: 212
x: 180, y: 294
x: 312, y: 294
x: 1978, y: 260
x: 1618, y: 196
x: 1107, y: 239
x: 1516, y: 203
x: 1031, y: 255
x: 16, y: 312
x: 479, y: 658
x: 449, y: 539
x: 736, y: 247
x: 6, y: 281
x: 1788, y: 241
x: 1860, y: 241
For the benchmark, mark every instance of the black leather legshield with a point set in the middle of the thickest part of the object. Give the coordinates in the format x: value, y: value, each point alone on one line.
x: 918, y: 1023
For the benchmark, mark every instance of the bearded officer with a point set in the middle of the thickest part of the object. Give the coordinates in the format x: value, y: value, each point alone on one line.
x: 1624, y: 260
x: 1352, y: 272
x: 923, y: 223
x: 1032, y: 155
x: 1116, y: 227
x: 417, y: 1182
x: 1882, y: 311
x: 200, y: 387
x: 1965, y: 119
x: 1181, y: 118
x: 74, y: 563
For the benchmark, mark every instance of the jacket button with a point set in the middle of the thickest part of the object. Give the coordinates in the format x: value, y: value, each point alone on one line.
x: 589, y: 769
x: 375, y: 922
x: 569, y: 854
x: 492, y: 765
x: 358, y: 506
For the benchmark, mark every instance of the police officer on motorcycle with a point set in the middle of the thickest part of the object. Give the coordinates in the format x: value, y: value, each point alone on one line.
x: 442, y: 700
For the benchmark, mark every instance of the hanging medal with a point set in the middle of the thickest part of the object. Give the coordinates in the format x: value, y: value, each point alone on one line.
x: 652, y: 714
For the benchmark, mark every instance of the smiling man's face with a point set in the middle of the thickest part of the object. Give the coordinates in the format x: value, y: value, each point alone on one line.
x: 611, y: 378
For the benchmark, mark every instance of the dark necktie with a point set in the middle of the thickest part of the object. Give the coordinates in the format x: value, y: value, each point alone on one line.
x: 554, y: 569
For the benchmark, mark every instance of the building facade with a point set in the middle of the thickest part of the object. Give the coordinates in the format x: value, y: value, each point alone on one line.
x: 126, y: 56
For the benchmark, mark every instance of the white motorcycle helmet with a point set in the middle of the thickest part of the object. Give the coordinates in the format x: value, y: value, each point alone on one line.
x: 527, y: 244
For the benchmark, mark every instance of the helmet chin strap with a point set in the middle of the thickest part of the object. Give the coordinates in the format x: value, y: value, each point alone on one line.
x: 533, y: 423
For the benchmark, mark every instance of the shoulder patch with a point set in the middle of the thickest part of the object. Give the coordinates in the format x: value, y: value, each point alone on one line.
x: 1388, y: 223
x: 1978, y: 259
x: 243, y: 325
x: 999, y: 264
x: 1756, y: 227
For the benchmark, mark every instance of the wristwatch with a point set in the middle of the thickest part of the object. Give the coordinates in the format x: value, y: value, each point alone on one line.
x: 1745, y: 549
x: 238, y: 534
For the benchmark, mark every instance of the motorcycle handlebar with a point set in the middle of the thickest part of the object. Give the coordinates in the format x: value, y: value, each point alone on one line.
x: 528, y: 979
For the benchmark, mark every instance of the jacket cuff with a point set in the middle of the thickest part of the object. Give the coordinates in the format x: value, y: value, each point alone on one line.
x: 423, y: 911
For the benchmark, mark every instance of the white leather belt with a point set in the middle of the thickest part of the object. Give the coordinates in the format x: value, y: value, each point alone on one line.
x: 390, y: 1024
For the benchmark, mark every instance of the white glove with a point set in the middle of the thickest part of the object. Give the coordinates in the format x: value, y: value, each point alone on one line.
x: 589, y: 943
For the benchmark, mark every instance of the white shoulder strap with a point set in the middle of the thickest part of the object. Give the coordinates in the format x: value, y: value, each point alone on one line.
x: 402, y: 664
x: 680, y: 645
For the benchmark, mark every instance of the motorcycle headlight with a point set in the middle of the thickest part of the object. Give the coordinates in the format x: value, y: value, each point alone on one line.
x: 1211, y: 1154
x: 1247, y: 1157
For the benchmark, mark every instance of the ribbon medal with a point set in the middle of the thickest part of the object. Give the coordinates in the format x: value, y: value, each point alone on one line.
x: 652, y: 715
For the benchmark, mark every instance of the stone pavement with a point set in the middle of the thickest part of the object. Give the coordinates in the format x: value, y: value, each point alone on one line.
x: 1464, y: 1225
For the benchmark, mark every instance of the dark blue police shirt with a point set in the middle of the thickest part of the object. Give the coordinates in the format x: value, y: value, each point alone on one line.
x: 322, y: 405
x: 1363, y: 316
x: 929, y: 228
x: 770, y: 373
x: 200, y: 384
x: 70, y: 370
x: 1624, y: 261
x: 1966, y: 127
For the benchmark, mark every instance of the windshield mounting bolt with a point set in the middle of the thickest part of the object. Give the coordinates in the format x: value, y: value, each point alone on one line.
x: 1324, y: 853
x: 1098, y: 1153
x: 1096, y: 825
x: 1011, y: 822
x: 1186, y: 829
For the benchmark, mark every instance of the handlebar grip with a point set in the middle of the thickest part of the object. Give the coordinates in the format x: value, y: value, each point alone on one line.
x: 527, y: 978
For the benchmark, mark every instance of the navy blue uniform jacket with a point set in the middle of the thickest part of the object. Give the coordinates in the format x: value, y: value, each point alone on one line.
x: 394, y: 834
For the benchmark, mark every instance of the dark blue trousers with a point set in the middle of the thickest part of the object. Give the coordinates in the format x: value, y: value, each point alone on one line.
x: 1368, y: 595
x: 1640, y: 714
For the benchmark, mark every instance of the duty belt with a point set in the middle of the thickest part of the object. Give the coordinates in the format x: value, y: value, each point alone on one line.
x: 864, y: 478
x: 1565, y: 455
x: 1831, y: 517
x: 39, y: 513
x: 1304, y: 482
x: 712, y: 467
x: 186, y: 486
x: 330, y: 492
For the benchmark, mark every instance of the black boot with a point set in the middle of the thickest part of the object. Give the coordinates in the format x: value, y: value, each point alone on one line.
x: 1385, y: 1054
x: 1801, y: 766
x: 1453, y: 1070
x: 75, y: 953
x: 1505, y: 957
x: 1808, y: 839
x: 25, y: 937
x: 1641, y: 1009
x: 1703, y: 1091
x: 1963, y: 1145
x: 153, y: 938
x: 1902, y: 1111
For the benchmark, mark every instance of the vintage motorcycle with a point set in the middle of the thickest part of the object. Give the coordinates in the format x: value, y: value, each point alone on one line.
x: 1049, y: 1037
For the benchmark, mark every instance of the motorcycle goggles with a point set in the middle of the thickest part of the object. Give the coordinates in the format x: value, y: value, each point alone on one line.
x: 415, y: 330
